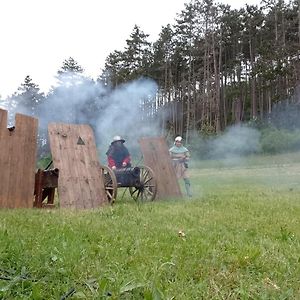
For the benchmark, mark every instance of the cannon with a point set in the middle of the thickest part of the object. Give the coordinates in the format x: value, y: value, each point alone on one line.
x: 139, y: 180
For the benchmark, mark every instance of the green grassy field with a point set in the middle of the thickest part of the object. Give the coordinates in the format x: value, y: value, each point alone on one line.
x: 237, y: 238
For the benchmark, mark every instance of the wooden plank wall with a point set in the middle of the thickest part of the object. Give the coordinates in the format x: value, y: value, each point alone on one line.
x: 17, y: 161
x: 80, y: 183
x: 156, y: 156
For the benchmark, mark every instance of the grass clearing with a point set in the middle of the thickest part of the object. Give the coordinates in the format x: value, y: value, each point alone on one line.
x: 240, y: 240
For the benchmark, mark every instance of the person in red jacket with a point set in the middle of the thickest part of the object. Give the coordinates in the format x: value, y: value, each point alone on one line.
x: 118, y: 155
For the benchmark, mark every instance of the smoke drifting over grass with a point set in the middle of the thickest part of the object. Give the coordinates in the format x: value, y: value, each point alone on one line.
x: 230, y: 148
x: 235, y: 143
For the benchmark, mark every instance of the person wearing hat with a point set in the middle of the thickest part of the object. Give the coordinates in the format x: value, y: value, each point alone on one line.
x: 118, y: 155
x: 180, y: 156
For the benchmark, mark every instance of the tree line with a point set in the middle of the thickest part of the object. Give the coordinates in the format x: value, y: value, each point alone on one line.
x: 215, y: 66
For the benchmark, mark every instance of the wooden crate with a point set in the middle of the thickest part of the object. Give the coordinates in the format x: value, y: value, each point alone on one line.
x: 18, y: 147
x: 156, y: 156
x: 80, y: 183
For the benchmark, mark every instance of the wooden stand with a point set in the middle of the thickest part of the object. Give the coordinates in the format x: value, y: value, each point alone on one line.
x: 46, y: 181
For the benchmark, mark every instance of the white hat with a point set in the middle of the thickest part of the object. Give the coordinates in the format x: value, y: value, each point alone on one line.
x: 117, y: 138
x: 178, y: 139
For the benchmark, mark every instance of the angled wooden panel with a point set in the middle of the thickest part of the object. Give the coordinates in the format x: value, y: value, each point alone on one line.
x: 5, y: 149
x: 73, y: 148
x: 156, y: 156
x: 3, y: 119
x: 17, y: 161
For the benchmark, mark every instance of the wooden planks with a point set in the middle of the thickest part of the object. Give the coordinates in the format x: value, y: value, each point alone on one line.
x: 156, y: 156
x: 17, y: 161
x: 80, y: 183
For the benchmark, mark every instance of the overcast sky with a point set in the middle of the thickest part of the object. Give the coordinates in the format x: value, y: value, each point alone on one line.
x: 38, y: 35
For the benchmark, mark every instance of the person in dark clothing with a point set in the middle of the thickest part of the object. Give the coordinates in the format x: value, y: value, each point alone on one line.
x: 118, y: 155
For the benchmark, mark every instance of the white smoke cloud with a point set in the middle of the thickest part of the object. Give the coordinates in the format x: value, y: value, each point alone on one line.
x: 69, y: 101
x: 109, y: 112
x: 3, y: 104
x: 80, y: 100
x: 122, y: 114
x: 235, y: 143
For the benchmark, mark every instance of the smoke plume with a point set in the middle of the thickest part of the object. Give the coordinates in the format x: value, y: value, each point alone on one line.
x: 110, y: 112
x: 237, y: 141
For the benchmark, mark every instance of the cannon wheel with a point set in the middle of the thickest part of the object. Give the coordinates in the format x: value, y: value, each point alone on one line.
x: 148, y: 188
x: 110, y: 183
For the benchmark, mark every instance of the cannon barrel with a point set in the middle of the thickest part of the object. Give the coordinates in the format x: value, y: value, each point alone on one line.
x: 51, y: 172
x: 136, y: 172
x: 128, y: 177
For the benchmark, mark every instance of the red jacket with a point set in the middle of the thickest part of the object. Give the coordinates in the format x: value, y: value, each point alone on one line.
x: 113, y: 163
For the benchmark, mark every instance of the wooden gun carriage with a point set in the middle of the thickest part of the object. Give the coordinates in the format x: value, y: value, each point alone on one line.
x: 140, y: 181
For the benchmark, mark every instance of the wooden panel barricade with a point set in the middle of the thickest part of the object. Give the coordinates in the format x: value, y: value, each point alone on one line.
x: 80, y: 182
x: 18, y: 147
x: 156, y: 155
